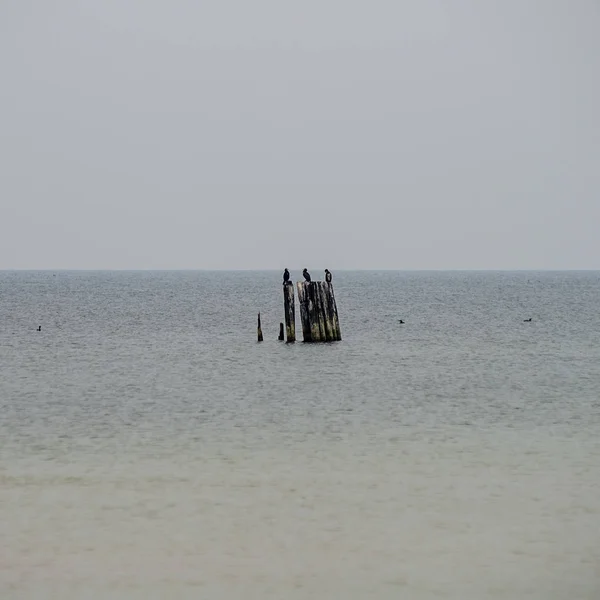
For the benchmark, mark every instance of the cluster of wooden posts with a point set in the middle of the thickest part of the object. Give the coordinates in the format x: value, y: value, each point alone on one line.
x: 318, y: 313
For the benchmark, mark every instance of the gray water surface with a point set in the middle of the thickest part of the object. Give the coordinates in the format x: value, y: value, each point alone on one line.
x: 150, y: 448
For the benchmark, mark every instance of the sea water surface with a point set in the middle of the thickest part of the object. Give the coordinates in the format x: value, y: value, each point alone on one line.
x: 150, y: 448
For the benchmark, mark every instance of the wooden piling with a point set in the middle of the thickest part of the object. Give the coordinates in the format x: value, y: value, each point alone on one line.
x: 290, y: 311
x: 303, y: 302
x: 259, y: 331
x: 318, y: 312
x: 281, y: 336
x: 333, y: 314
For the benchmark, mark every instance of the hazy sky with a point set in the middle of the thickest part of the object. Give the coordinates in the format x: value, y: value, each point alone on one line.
x: 397, y: 134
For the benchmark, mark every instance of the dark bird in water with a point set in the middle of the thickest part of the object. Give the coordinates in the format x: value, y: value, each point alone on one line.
x: 39, y: 328
x: 286, y: 276
x: 306, y: 275
x: 327, y: 275
x: 401, y: 321
x: 527, y: 320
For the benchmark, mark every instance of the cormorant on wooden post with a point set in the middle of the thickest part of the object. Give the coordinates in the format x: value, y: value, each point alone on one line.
x: 286, y: 276
x: 327, y: 275
x: 306, y: 275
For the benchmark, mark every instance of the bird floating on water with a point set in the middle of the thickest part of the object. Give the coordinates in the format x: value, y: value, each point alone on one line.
x: 306, y: 274
x: 39, y: 328
x: 401, y: 321
x: 328, y: 276
x: 527, y: 320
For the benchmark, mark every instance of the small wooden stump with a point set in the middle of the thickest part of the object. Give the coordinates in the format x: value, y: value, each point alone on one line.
x: 290, y: 311
x: 259, y: 331
x: 281, y: 335
x: 318, y: 312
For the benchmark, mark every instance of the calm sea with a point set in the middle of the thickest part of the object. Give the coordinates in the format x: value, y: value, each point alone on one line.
x: 150, y: 448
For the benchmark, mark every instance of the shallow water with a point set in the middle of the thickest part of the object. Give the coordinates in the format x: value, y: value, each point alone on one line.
x: 150, y: 448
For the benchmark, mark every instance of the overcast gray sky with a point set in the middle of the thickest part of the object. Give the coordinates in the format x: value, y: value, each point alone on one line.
x: 238, y: 134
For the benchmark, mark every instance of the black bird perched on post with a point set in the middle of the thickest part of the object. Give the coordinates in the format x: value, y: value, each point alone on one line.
x: 327, y: 275
x: 286, y: 276
x: 306, y: 275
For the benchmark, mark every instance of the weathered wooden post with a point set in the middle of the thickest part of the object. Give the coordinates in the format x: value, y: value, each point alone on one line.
x: 318, y: 312
x: 303, y: 302
x: 259, y: 331
x: 333, y: 313
x: 290, y: 311
x: 281, y: 338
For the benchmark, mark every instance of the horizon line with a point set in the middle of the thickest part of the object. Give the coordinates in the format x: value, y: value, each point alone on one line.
x: 404, y: 270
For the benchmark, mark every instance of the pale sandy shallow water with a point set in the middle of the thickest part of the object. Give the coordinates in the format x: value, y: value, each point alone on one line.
x: 143, y: 459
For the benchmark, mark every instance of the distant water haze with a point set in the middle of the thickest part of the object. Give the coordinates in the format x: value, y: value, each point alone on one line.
x: 150, y: 448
